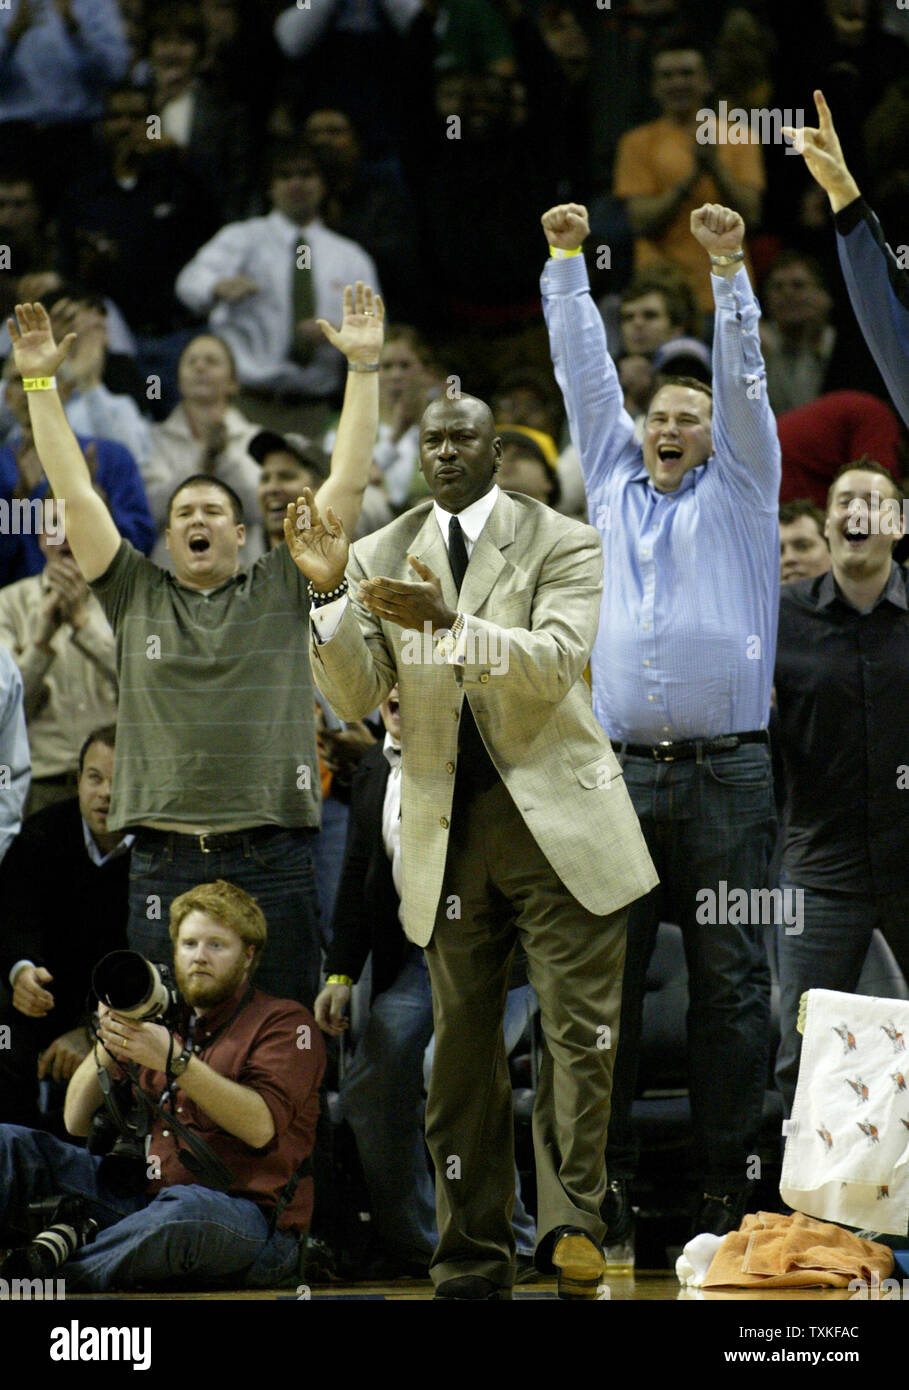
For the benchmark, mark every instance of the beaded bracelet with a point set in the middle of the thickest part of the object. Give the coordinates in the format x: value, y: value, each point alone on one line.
x: 319, y: 599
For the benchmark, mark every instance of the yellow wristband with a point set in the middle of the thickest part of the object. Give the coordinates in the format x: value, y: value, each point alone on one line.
x: 559, y: 253
x: 339, y: 980
x: 39, y: 383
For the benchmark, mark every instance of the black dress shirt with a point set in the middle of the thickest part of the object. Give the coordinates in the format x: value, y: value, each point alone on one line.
x: 842, y: 686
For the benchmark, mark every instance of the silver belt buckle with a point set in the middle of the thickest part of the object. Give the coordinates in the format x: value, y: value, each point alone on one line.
x: 202, y: 845
x: 668, y: 758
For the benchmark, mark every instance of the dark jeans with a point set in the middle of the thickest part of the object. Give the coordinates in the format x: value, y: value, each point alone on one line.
x: 328, y: 858
x: 707, y: 824
x: 828, y: 953
x: 277, y: 870
x: 184, y: 1236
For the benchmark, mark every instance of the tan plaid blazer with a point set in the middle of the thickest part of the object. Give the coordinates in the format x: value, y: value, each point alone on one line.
x: 533, y: 585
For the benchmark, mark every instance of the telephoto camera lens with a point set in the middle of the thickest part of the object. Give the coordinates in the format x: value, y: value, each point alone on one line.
x: 70, y: 1227
x: 129, y: 984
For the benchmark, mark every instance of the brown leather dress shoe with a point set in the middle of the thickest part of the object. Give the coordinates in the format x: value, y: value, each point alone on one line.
x: 580, y: 1263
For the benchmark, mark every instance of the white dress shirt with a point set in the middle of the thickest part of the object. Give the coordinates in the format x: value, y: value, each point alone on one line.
x: 258, y: 328
x: 391, y: 811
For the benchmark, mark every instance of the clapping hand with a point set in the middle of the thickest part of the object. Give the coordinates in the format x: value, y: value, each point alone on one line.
x: 408, y: 605
x: 317, y: 543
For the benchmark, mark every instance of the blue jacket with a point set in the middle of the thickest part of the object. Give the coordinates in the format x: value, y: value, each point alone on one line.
x: 879, y: 289
x: 116, y: 474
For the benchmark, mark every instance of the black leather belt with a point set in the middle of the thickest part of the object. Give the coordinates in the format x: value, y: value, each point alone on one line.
x: 669, y: 752
x: 210, y: 842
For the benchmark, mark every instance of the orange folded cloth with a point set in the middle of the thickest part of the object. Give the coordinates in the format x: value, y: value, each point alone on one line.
x: 778, y: 1252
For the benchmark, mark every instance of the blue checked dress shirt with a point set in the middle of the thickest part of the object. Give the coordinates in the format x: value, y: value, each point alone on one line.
x: 691, y: 581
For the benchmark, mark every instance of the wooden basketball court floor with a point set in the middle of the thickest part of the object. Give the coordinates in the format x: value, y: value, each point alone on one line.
x: 659, y: 1286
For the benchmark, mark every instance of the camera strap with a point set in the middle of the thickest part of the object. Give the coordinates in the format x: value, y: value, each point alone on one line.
x: 212, y: 1168
x: 287, y: 1192
x: 109, y: 1092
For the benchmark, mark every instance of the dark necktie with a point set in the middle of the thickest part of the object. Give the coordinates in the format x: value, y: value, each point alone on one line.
x: 476, y: 770
x: 457, y: 552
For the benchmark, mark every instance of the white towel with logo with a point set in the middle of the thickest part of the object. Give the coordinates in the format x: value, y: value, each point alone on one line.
x: 847, y: 1146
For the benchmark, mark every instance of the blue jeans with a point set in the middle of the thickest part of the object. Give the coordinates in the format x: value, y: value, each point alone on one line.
x: 382, y: 1101
x: 276, y: 870
x: 328, y: 855
x: 705, y: 823
x: 183, y: 1237
x: 828, y: 953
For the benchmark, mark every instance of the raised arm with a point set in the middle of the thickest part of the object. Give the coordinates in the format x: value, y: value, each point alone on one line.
x: 602, y: 431
x: 360, y: 339
x: 90, y: 530
x: 878, y: 284
x: 744, y: 428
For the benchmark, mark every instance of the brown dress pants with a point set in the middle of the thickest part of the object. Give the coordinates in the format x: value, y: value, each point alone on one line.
x: 499, y: 886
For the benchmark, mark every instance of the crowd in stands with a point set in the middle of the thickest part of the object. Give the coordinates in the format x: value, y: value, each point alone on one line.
x: 188, y: 188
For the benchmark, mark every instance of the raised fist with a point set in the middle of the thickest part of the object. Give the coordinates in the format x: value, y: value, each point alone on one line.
x: 566, y: 226
x: 720, y: 230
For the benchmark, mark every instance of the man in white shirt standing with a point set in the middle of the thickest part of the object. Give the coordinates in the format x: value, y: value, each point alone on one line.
x: 265, y: 281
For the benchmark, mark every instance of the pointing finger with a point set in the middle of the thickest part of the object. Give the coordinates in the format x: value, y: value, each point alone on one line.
x: 823, y: 111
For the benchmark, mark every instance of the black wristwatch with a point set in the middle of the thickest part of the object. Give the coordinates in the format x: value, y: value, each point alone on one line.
x: 179, y: 1064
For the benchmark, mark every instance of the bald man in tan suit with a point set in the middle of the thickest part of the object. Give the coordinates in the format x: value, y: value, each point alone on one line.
x: 515, y: 823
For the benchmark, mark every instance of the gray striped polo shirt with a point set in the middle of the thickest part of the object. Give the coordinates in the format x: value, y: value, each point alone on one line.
x: 216, y: 724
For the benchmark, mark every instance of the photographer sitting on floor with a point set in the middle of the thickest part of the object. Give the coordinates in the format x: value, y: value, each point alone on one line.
x: 229, y: 1099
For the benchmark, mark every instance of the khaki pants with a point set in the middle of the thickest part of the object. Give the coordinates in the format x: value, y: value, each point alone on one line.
x: 498, y: 886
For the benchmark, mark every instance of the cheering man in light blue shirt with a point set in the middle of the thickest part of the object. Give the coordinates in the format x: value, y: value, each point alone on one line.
x: 682, y: 673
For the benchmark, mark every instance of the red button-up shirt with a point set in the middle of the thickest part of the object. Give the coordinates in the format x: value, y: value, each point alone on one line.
x: 274, y: 1047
